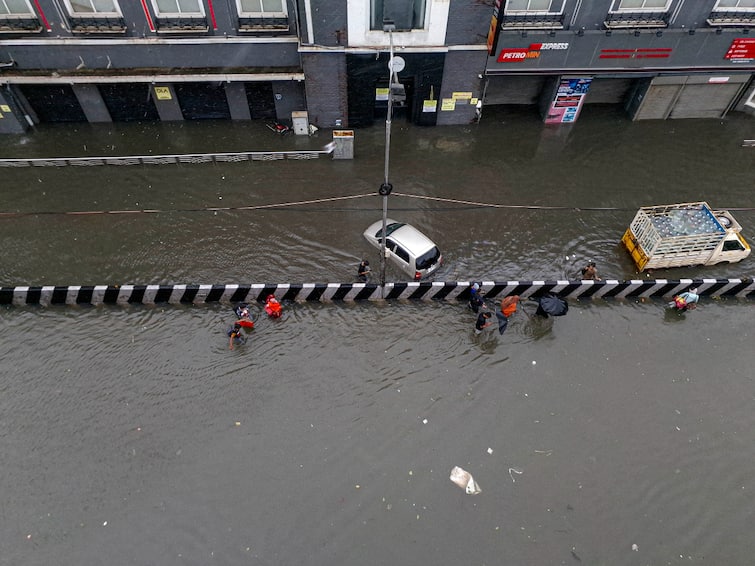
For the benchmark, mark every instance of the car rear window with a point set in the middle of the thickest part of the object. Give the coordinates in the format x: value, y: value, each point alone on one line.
x: 428, y: 259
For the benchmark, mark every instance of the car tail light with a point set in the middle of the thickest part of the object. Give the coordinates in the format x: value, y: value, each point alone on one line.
x: 417, y: 276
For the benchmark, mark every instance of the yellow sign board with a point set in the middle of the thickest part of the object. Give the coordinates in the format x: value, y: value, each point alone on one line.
x: 163, y: 93
x: 4, y: 108
x: 429, y: 105
x: 448, y: 104
x: 461, y: 95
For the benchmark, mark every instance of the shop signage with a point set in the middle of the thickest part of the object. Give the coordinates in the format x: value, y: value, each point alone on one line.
x: 742, y: 49
x: 569, y: 100
x: 519, y: 54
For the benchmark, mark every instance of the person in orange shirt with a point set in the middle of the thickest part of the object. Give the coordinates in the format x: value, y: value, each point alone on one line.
x: 508, y: 305
x: 273, y: 307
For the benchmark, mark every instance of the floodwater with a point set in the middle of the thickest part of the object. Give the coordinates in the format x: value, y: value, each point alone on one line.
x: 619, y: 434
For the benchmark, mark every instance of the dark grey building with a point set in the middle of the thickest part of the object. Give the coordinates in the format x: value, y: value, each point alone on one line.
x: 121, y: 60
x: 657, y: 58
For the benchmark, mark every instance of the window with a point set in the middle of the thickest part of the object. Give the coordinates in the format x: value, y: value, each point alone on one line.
x: 406, y: 14
x: 261, y: 8
x: 638, y: 14
x: 741, y: 4
x: 640, y: 5
x: 17, y: 16
x: 533, y: 14
x: 531, y: 6
x: 402, y: 253
x: 732, y: 246
x: 15, y: 8
x: 93, y: 8
x: 733, y: 13
x: 178, y: 8
x: 428, y: 259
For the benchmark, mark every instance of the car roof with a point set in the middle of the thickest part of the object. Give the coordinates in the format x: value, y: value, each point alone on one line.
x: 406, y: 235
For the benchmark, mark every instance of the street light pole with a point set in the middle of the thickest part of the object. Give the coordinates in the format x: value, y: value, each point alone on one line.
x: 386, y: 187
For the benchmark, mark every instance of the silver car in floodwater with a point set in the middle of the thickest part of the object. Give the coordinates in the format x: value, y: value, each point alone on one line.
x: 408, y: 248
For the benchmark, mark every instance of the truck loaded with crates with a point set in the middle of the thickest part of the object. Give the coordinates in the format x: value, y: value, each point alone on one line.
x: 678, y: 235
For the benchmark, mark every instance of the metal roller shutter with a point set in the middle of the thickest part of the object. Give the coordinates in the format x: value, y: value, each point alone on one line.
x: 657, y: 102
x: 704, y: 100
x: 608, y: 91
x: 513, y: 90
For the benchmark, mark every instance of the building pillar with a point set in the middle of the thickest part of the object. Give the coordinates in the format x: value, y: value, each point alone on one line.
x: 166, y: 102
x: 235, y: 94
x: 12, y: 120
x: 91, y: 103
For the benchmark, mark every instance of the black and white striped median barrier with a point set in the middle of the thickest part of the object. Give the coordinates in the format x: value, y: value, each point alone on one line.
x: 329, y: 292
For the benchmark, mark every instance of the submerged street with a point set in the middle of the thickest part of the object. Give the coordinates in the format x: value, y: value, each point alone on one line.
x: 621, y: 433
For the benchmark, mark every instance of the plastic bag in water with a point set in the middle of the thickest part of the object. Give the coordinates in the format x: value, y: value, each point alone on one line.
x: 464, y: 480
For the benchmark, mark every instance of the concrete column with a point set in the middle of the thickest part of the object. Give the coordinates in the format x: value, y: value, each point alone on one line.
x: 12, y: 120
x: 91, y: 102
x: 166, y: 102
x: 235, y: 94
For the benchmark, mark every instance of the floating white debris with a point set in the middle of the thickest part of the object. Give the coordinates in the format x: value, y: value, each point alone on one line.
x: 424, y: 421
x: 464, y: 480
x: 534, y: 362
x: 490, y: 450
x: 635, y: 547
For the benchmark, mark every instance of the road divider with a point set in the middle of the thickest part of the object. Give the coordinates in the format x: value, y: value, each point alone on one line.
x: 333, y: 292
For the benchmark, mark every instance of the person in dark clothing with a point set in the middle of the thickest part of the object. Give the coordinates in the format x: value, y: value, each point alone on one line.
x: 363, y: 271
x: 590, y: 272
x: 235, y: 335
x: 476, y: 302
x: 483, y: 321
x: 475, y: 298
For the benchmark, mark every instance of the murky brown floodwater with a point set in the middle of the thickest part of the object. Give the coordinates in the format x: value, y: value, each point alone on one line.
x: 131, y: 435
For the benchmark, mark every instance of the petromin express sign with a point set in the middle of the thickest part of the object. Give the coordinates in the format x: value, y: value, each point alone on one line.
x: 519, y: 54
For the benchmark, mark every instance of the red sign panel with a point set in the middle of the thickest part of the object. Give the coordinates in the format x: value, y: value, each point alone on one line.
x: 741, y: 48
x: 512, y: 55
x: 639, y: 53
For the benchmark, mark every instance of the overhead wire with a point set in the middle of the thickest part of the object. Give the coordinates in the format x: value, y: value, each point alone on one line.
x: 462, y: 205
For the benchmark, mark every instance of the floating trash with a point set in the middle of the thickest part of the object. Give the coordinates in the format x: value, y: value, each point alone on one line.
x: 464, y: 480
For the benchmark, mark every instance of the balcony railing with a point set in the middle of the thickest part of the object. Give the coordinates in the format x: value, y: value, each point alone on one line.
x: 533, y: 21
x: 263, y: 24
x: 20, y: 25
x: 619, y: 20
x: 182, y: 25
x: 90, y: 24
x: 720, y: 18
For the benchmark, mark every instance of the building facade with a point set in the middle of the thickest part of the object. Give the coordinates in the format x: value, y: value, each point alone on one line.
x: 128, y: 60
x: 659, y: 59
